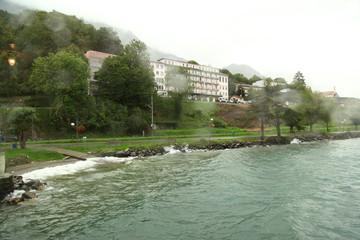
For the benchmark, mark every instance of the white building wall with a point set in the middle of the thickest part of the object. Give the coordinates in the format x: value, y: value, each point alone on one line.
x: 159, y: 69
x: 208, y: 83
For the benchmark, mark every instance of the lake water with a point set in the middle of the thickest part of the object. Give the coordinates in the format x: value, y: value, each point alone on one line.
x: 297, y: 191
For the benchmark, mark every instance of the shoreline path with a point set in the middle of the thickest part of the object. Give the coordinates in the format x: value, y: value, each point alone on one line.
x: 74, y: 156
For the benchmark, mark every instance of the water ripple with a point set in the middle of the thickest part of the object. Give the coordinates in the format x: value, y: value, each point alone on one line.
x: 309, y: 191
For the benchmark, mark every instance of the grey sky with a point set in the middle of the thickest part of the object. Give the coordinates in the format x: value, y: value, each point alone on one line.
x: 320, y: 38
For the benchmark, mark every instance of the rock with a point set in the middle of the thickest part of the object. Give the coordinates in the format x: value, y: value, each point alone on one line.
x: 15, y: 201
x: 28, y: 195
x: 35, y: 184
x: 32, y: 182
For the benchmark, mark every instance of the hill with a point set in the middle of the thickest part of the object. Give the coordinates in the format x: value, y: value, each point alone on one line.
x: 244, y: 69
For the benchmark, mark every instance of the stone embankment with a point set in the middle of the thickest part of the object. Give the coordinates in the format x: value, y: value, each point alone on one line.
x: 213, y: 145
x: 30, y: 188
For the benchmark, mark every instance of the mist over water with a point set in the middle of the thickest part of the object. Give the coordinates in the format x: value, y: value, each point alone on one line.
x: 298, y: 191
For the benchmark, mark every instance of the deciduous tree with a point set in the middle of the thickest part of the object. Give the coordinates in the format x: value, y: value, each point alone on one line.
x: 21, y: 120
x: 63, y: 76
x: 127, y: 79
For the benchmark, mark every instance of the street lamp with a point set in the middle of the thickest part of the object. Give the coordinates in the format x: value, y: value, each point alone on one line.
x: 342, y: 105
x: 152, y: 114
x: 11, y: 59
x: 76, y: 129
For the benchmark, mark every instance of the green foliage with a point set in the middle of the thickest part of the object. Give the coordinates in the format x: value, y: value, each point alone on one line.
x: 352, y: 111
x: 107, y: 40
x: 21, y: 120
x: 138, y: 121
x: 59, y: 74
x: 267, y: 106
x: 127, y: 79
x: 193, y: 62
x: 234, y: 80
x: 38, y: 33
x: 293, y: 119
x: 177, y: 81
x: 254, y: 78
x: 310, y: 107
x: 298, y: 82
x: 63, y: 76
x: 327, y: 107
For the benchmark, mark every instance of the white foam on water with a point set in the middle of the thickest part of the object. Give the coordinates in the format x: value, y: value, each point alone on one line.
x: 87, y: 165
x: 171, y: 150
x: 295, y: 141
x: 15, y: 194
x: 112, y: 159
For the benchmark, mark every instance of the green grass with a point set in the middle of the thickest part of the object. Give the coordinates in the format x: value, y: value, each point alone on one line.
x: 34, y: 155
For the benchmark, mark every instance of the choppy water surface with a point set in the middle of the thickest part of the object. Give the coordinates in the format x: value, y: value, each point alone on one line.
x: 305, y: 191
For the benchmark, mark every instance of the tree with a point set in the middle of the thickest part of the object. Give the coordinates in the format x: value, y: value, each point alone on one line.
x: 59, y: 73
x: 355, y: 118
x: 107, y: 40
x: 299, y: 81
x: 276, y: 106
x: 193, y: 62
x: 254, y: 78
x: 127, y: 79
x: 38, y: 33
x: 327, y: 108
x: 259, y: 109
x: 310, y: 106
x: 63, y: 77
x: 267, y: 105
x: 21, y: 120
x: 352, y: 111
x: 292, y: 119
x: 177, y: 83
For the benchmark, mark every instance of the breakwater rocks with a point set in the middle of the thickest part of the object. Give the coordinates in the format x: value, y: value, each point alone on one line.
x: 29, y: 187
x: 216, y: 145
x: 6, y: 185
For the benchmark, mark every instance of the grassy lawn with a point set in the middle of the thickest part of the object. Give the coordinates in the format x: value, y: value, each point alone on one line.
x: 33, y: 155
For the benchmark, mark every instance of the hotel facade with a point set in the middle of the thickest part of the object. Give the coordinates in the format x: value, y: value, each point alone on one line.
x: 205, y: 83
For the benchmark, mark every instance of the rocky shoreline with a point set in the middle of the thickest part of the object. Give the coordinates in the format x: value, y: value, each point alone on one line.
x: 161, y: 149
x: 213, y: 145
x: 29, y: 189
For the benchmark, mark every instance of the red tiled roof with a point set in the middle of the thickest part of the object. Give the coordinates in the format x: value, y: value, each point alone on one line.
x: 92, y: 53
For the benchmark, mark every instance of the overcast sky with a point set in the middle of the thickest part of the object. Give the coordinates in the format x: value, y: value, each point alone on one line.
x: 320, y: 38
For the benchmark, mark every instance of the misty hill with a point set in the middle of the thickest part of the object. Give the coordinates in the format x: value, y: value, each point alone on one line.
x: 245, y: 70
x: 126, y: 36
x: 11, y: 7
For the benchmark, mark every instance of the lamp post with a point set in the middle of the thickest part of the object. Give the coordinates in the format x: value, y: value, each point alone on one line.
x: 151, y: 106
x: 341, y: 115
x: 76, y: 129
x: 11, y: 59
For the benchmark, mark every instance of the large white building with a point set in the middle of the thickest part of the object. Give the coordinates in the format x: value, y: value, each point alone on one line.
x: 207, y: 83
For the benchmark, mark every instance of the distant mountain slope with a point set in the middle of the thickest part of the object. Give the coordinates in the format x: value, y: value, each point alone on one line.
x: 245, y: 70
x: 126, y: 36
x: 156, y: 55
x: 11, y: 7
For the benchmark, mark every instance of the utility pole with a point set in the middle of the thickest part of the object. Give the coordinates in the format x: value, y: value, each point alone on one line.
x: 152, y: 115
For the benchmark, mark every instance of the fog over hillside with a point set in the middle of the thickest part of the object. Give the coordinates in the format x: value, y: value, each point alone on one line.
x: 244, y: 69
x: 127, y: 35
